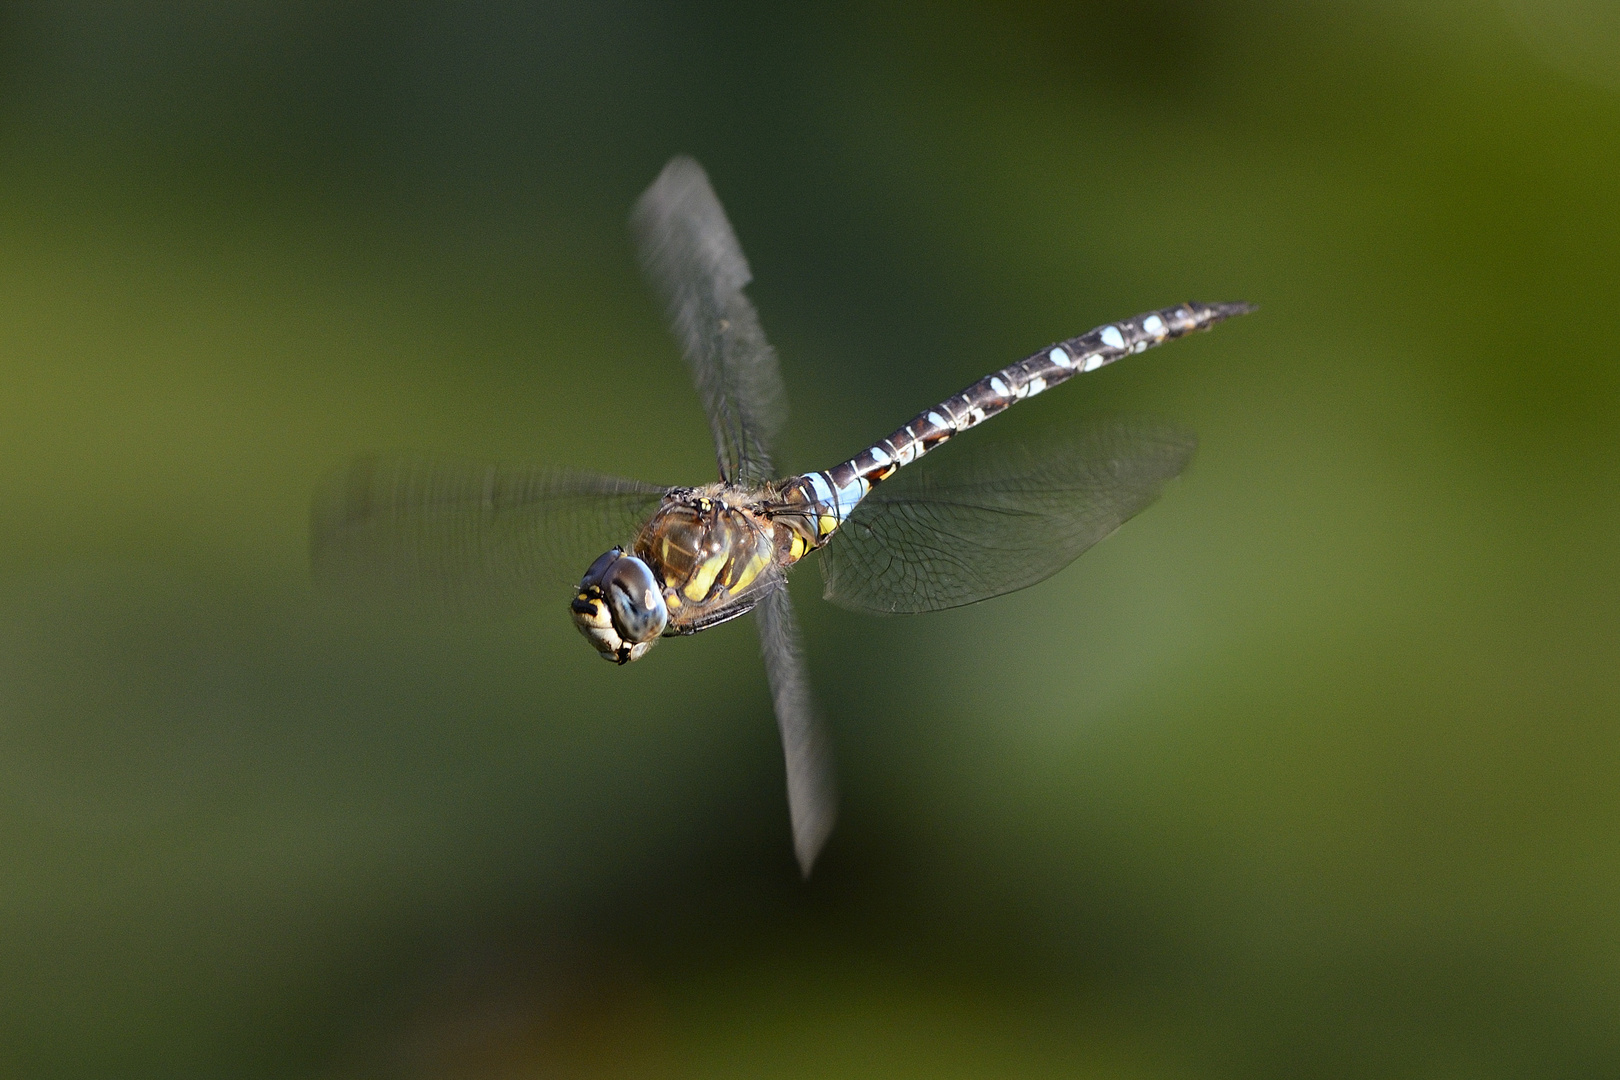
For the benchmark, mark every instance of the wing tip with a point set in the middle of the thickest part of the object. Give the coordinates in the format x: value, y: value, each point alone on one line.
x: 679, y: 175
x: 810, y: 837
x: 682, y: 162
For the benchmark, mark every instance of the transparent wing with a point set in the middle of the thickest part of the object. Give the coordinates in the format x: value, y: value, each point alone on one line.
x: 811, y: 780
x: 467, y: 538
x: 998, y: 518
x: 692, y: 258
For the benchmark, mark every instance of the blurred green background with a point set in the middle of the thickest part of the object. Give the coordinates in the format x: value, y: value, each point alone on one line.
x: 1313, y: 770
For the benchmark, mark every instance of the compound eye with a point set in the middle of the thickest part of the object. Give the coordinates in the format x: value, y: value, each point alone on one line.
x: 598, y: 569
x: 636, y: 601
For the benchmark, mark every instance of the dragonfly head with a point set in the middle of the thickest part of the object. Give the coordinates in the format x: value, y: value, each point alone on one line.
x: 619, y: 607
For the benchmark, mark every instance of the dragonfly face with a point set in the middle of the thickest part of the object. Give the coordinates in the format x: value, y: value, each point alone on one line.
x: 619, y: 607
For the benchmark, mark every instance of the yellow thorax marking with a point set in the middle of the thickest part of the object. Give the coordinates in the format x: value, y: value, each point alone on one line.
x: 703, y: 578
x: 750, y: 571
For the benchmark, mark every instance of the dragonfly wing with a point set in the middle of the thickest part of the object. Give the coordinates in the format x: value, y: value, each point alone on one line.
x: 691, y: 256
x: 467, y: 538
x: 811, y: 778
x: 999, y: 518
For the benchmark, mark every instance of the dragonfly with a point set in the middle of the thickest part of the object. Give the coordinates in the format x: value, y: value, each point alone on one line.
x: 672, y: 561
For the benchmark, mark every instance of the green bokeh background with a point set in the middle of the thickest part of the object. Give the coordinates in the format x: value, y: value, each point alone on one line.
x: 1313, y: 770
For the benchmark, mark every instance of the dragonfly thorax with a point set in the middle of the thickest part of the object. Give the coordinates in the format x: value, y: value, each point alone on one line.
x: 710, y: 550
x: 702, y: 558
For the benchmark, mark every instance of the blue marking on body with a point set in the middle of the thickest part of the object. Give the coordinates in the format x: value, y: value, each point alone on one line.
x: 845, y: 498
x: 821, y: 484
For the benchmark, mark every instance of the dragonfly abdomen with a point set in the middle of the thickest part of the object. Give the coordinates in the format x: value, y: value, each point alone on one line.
x: 836, y: 492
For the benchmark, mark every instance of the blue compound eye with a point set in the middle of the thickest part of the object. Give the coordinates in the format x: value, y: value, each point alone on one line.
x: 598, y: 569
x: 635, y: 600
x: 619, y: 607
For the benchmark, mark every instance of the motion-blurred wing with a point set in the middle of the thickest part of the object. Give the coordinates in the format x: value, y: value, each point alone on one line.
x: 692, y: 258
x: 467, y: 538
x: 998, y: 518
x: 811, y: 781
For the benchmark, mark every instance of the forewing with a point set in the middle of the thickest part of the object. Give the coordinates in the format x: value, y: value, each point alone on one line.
x: 991, y: 520
x: 467, y: 538
x: 811, y: 777
x: 693, y: 260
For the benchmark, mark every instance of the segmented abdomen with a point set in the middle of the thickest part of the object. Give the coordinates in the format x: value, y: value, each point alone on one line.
x: 836, y: 491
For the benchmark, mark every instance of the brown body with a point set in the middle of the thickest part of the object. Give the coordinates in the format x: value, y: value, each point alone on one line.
x: 717, y: 548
